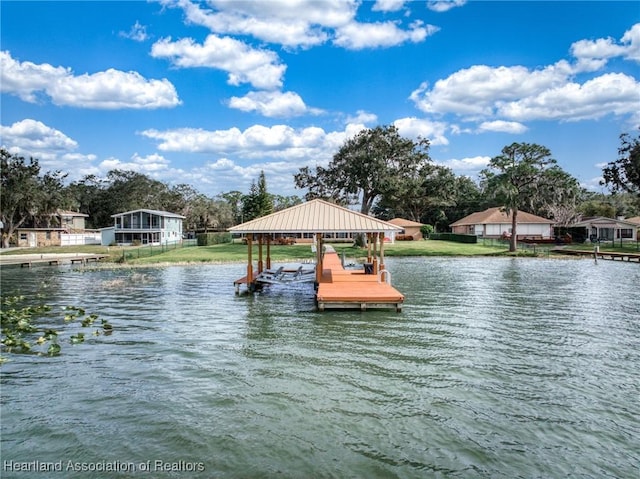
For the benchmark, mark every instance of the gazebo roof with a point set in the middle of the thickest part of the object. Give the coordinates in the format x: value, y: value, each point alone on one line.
x: 315, y: 216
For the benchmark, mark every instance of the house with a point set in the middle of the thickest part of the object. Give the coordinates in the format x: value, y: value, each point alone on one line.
x: 601, y: 228
x: 147, y: 227
x: 635, y: 219
x: 496, y: 223
x: 409, y: 228
x: 71, y: 221
x: 37, y: 237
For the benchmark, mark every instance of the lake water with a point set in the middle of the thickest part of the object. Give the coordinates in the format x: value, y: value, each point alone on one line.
x: 496, y: 368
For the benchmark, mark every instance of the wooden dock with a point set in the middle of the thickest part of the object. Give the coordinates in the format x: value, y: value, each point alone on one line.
x: 606, y: 255
x: 345, y: 289
x: 50, y: 259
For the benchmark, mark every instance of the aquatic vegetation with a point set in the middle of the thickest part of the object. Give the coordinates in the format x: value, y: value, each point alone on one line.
x: 21, y: 333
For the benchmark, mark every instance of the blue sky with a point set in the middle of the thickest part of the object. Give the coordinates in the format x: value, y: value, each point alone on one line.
x: 211, y: 93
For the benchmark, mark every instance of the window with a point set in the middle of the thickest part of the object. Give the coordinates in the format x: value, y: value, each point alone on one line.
x: 48, y: 235
x: 23, y: 236
x: 625, y: 233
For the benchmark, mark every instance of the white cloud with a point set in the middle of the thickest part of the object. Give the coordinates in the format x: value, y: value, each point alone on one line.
x: 138, y: 33
x: 302, y: 23
x: 33, y: 136
x: 466, y: 165
x: 260, y: 68
x: 111, y: 89
x: 291, y: 23
x: 593, y: 54
x: 415, y: 127
x: 357, y: 36
x: 612, y: 93
x: 150, y: 164
x: 363, y: 117
x: 502, y: 126
x: 444, y: 5
x: 273, y: 104
x: 258, y: 141
x: 388, y: 5
x: 517, y: 93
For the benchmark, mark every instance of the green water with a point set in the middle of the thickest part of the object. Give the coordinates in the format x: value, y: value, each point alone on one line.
x: 496, y: 368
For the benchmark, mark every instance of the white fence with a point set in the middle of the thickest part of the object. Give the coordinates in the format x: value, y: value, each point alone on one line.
x: 80, y: 238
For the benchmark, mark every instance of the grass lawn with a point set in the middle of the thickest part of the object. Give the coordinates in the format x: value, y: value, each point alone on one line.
x: 114, y: 252
x: 238, y: 252
x: 625, y: 248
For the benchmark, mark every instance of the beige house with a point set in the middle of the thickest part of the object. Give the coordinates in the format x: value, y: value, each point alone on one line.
x: 37, y: 237
x: 71, y: 221
x: 601, y: 228
x: 409, y: 228
x: 495, y: 223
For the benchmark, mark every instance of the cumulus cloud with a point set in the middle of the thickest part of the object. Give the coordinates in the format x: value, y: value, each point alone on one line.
x: 33, y: 136
x: 261, y: 68
x: 273, y: 104
x: 289, y: 23
x: 363, y: 117
x: 138, y: 33
x: 110, y: 89
x: 519, y: 94
x: 502, y: 126
x: 258, y: 141
x: 612, y: 93
x: 415, y: 127
x: 302, y: 23
x: 388, y: 5
x: 149, y: 164
x: 594, y: 54
x: 467, y: 166
x: 357, y: 36
x: 444, y: 5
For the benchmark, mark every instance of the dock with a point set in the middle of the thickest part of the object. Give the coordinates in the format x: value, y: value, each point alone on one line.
x: 49, y: 259
x: 353, y: 289
x: 606, y: 255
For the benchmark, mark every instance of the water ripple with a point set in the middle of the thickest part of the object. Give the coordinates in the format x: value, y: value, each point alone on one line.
x: 497, y: 368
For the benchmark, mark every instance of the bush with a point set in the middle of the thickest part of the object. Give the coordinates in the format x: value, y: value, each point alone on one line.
x: 426, y: 230
x: 458, y: 238
x: 208, y: 239
x: 404, y: 238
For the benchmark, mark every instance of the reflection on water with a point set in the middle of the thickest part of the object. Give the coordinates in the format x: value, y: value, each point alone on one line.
x: 496, y: 368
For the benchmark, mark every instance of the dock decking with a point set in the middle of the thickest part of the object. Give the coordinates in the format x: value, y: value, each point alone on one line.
x: 343, y: 289
x: 51, y: 259
x: 607, y: 255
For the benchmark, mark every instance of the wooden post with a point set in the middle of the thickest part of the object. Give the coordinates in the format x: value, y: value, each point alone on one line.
x: 269, y: 251
x: 381, y: 251
x: 368, y: 247
x: 260, y: 263
x: 318, y: 257
x: 250, y: 260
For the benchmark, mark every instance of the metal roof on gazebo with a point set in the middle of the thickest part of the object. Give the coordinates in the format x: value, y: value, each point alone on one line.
x: 315, y: 216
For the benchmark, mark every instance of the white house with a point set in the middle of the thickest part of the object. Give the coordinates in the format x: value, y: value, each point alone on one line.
x: 608, y: 229
x: 495, y: 223
x: 147, y: 227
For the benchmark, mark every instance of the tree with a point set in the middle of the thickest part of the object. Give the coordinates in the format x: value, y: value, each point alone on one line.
x: 524, y: 175
x: 19, y: 194
x: 258, y: 202
x: 420, y: 198
x: 623, y: 174
x: 375, y: 162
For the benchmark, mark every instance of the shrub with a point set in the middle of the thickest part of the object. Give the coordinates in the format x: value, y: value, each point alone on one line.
x: 207, y: 239
x: 458, y: 238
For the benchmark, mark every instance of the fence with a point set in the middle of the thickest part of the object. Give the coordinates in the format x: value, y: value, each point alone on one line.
x: 148, y: 251
x: 74, y: 239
